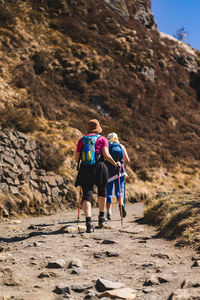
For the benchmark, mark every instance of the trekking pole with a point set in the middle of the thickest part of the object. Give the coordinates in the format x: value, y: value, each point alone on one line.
x: 79, y: 204
x: 120, y: 203
x: 80, y: 191
x: 124, y: 191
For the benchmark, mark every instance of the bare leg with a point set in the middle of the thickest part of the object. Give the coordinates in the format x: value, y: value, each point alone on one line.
x: 102, y: 203
x: 109, y: 207
x: 109, y: 210
x: 86, y: 206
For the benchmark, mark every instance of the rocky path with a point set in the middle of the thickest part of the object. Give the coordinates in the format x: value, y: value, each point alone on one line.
x: 49, y: 258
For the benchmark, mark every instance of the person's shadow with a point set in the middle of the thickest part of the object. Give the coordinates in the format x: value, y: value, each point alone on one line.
x: 38, y: 232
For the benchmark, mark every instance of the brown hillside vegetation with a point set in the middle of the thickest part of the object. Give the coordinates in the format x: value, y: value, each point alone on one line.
x: 64, y: 62
x: 57, y: 57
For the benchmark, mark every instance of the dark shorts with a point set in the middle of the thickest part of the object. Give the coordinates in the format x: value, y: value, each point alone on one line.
x: 88, y: 176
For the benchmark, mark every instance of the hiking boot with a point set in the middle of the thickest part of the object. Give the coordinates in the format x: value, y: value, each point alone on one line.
x: 102, y: 221
x: 90, y: 227
x: 123, y: 211
x: 109, y: 215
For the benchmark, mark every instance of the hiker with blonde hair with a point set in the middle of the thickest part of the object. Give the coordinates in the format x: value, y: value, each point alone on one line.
x: 116, y: 177
x: 92, y: 151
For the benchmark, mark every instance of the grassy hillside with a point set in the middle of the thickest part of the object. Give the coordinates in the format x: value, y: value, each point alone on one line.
x: 64, y: 62
x: 76, y: 60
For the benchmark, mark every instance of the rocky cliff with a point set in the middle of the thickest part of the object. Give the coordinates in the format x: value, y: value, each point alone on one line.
x: 68, y: 61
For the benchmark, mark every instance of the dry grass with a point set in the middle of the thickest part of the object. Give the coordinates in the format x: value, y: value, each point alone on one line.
x: 20, y: 119
x: 28, y: 203
x: 11, y: 206
x: 7, y: 16
x: 57, y: 143
x: 176, y: 214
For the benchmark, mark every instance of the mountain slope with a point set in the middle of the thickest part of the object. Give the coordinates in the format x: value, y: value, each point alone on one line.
x: 75, y: 60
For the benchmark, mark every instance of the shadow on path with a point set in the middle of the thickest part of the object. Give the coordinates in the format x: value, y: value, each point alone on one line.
x: 142, y: 221
x: 38, y: 233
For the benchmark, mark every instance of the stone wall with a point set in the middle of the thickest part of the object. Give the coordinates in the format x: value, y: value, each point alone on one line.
x: 22, y: 178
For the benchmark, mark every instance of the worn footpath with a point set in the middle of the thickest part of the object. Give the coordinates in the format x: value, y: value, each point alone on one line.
x: 52, y: 257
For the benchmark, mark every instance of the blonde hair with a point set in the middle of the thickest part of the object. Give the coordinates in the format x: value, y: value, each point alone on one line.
x: 113, y: 137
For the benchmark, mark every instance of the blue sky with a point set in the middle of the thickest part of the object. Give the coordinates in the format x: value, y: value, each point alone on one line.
x: 171, y: 15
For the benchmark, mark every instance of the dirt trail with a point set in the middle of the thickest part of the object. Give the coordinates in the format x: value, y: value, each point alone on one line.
x: 35, y: 254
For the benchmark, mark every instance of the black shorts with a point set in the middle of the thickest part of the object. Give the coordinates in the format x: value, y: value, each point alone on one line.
x: 88, y: 176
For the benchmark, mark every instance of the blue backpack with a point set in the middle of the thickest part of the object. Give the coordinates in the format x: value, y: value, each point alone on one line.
x: 116, y: 151
x: 88, y: 150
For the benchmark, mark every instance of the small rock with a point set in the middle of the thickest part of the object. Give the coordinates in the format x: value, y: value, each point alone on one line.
x: 108, y: 242
x: 98, y: 254
x: 79, y: 288
x: 148, y: 290
x: 62, y: 289
x: 196, y: 263
x: 124, y: 293
x: 152, y: 280
x: 160, y: 255
x: 112, y: 254
x: 58, y: 264
x: 163, y: 279
x: 196, y: 257
x: 72, y: 229
x: 147, y: 265
x: 103, y: 285
x: 47, y: 275
x: 75, y: 263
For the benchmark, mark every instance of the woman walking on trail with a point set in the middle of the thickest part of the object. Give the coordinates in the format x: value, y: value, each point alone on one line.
x: 116, y: 177
x: 92, y: 151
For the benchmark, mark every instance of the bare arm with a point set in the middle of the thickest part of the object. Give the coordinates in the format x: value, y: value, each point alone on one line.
x: 77, y: 156
x: 108, y: 157
x: 126, y: 157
